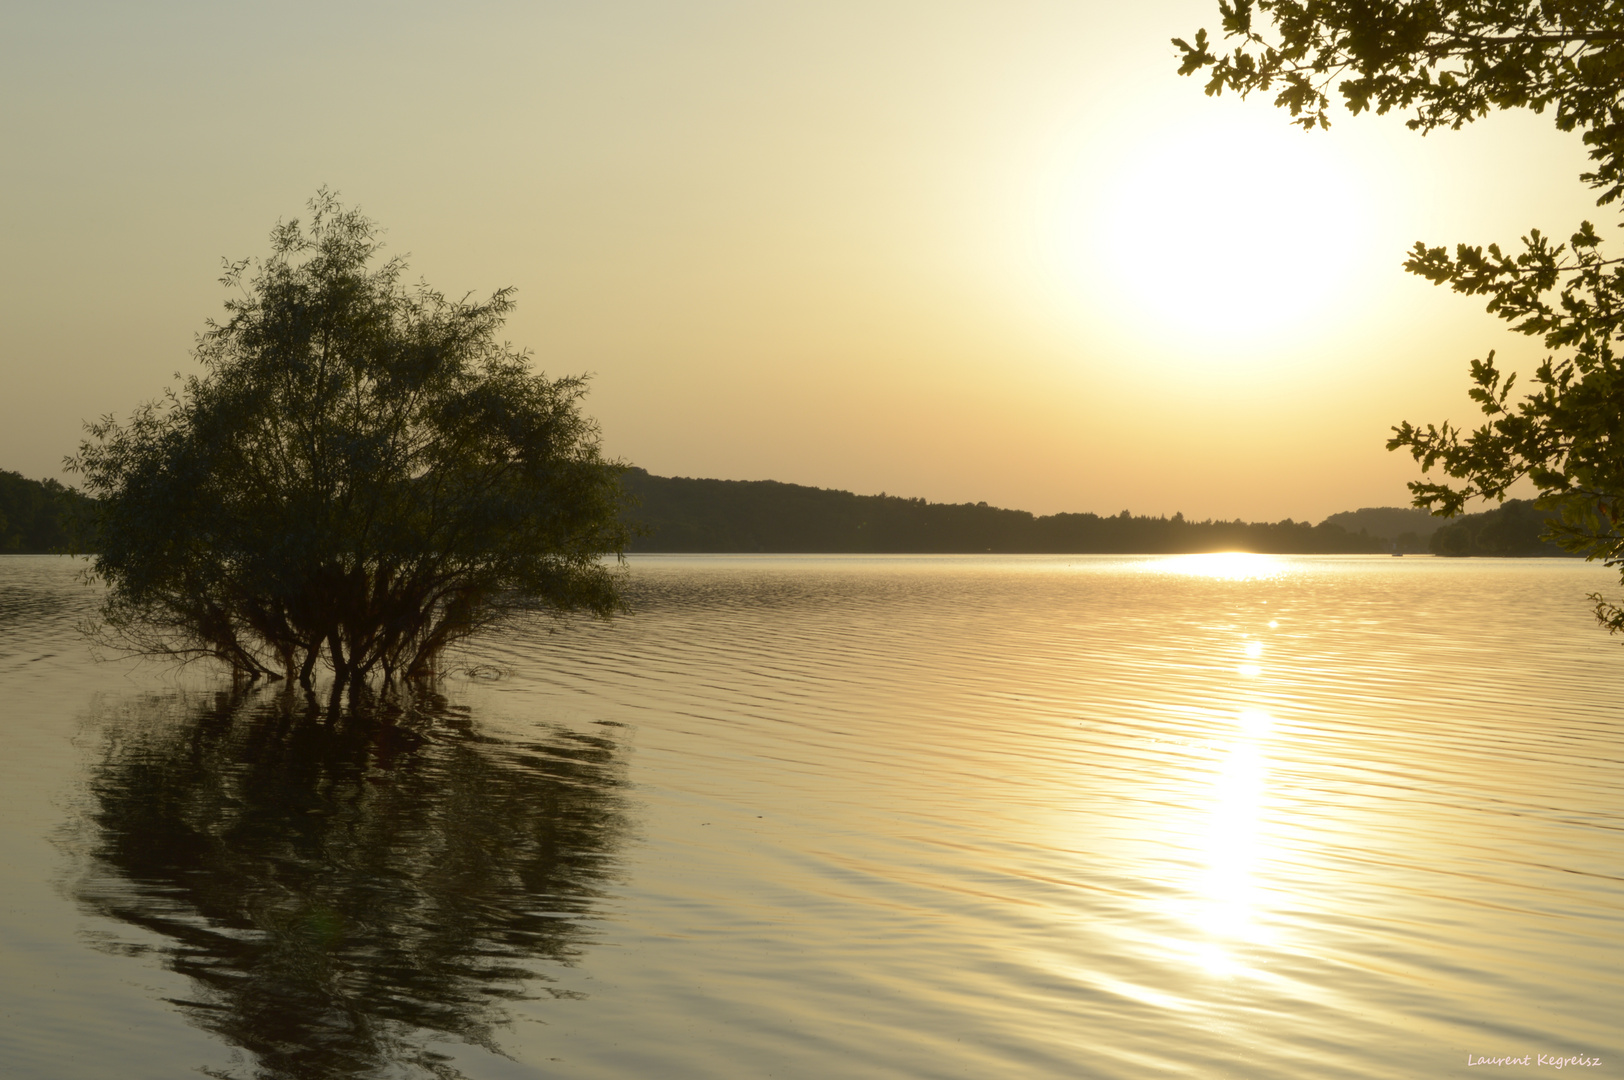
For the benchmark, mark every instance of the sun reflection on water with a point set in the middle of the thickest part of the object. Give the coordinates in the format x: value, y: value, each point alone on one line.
x: 1232, y: 840
x: 1227, y: 891
x: 1255, y: 723
x: 1224, y: 565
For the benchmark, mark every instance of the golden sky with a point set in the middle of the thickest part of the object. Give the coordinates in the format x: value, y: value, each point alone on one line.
x: 964, y: 251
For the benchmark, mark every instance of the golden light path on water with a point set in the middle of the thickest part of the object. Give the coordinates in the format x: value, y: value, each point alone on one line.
x: 1235, y: 846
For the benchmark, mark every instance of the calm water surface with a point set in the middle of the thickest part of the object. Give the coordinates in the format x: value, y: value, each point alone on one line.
x: 843, y: 816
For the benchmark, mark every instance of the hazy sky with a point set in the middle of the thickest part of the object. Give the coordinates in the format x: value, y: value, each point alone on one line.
x: 965, y: 251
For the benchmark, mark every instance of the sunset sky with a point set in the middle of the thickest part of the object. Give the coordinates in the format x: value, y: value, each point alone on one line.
x: 964, y: 251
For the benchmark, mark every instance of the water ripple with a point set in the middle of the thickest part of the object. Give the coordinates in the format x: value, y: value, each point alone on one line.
x: 1057, y: 817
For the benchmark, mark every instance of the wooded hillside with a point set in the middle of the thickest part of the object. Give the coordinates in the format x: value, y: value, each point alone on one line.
x: 38, y: 516
x: 1511, y: 529
x: 685, y: 515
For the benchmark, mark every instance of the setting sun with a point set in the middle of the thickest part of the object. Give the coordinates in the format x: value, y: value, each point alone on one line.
x: 1220, y: 235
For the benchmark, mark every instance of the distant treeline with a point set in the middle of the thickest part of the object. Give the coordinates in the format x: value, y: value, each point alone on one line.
x: 729, y: 516
x: 1513, y: 529
x: 683, y: 515
x: 39, y: 516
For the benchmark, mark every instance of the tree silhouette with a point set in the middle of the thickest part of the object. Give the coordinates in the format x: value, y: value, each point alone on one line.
x: 365, y: 473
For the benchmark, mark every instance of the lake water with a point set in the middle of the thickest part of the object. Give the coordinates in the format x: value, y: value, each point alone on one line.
x: 1211, y: 816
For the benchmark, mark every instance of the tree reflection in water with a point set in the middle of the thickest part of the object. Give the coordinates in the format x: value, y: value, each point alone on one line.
x: 346, y: 888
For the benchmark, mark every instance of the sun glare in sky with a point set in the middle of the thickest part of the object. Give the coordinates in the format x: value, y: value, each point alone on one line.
x: 1216, y: 237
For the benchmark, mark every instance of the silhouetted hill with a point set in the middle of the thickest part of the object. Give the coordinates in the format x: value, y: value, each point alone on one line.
x: 723, y: 516
x: 732, y: 516
x: 1511, y: 529
x: 38, y: 516
x: 1387, y: 522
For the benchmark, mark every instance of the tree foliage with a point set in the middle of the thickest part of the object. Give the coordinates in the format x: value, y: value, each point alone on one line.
x: 1451, y: 62
x: 364, y: 474
x: 1565, y: 434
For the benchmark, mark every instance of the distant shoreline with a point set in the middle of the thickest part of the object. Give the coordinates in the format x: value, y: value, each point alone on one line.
x: 680, y: 515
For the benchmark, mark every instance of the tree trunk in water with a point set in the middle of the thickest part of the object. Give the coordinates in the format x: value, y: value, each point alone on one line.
x: 309, y: 665
x: 341, y: 667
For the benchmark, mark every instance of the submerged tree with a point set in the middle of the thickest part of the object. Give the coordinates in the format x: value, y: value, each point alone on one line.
x: 365, y: 473
x: 1451, y: 62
